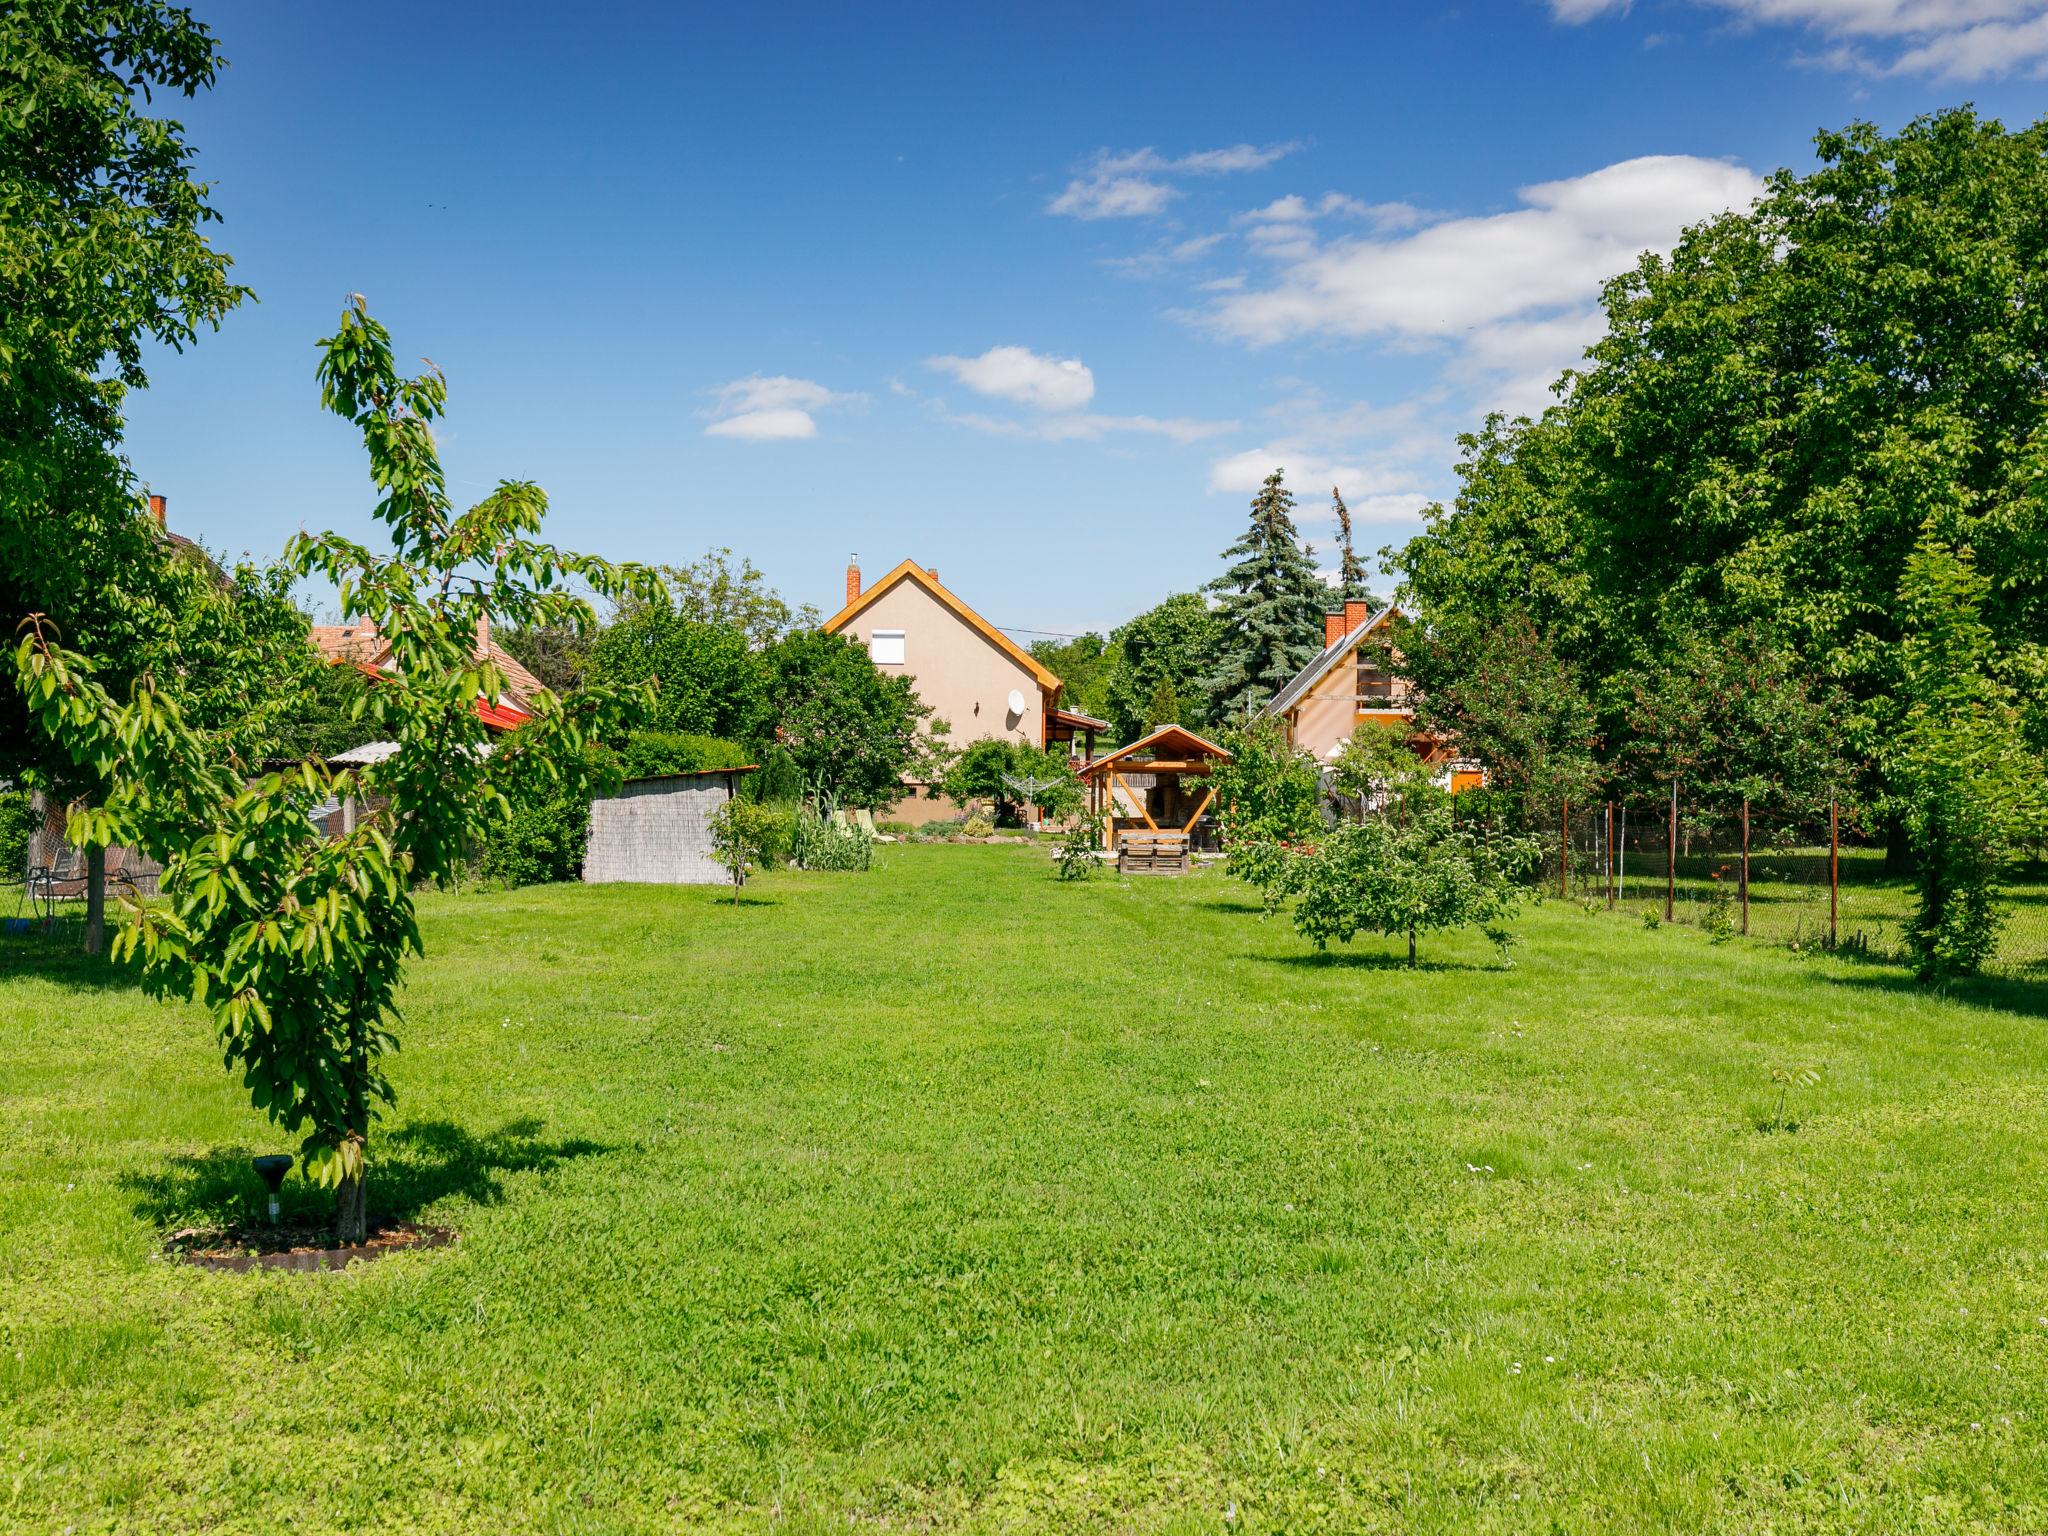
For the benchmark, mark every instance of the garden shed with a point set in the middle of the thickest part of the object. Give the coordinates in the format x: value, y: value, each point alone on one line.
x: 657, y: 830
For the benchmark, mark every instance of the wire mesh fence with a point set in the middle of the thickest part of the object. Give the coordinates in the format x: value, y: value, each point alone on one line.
x: 1811, y: 880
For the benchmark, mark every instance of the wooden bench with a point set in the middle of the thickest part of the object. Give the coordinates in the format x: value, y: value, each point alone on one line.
x: 1152, y: 853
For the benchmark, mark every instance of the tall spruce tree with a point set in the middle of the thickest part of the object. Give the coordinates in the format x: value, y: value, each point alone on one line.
x: 1269, y: 610
x: 1351, y: 582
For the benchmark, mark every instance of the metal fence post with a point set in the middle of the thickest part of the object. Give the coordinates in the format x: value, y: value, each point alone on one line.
x: 1610, y: 855
x: 1745, y: 866
x: 1671, y: 856
x: 1834, y: 871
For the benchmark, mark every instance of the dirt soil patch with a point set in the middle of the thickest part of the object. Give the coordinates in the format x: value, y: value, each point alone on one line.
x: 296, y: 1247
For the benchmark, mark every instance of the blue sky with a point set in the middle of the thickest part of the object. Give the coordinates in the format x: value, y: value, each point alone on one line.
x: 1035, y: 295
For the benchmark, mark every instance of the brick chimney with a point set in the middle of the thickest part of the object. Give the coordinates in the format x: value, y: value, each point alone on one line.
x: 1355, y: 614
x: 853, y: 578
x: 156, y: 510
x: 1333, y: 629
x: 932, y: 571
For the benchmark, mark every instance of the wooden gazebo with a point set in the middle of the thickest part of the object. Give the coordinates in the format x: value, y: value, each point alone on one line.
x: 1151, y: 793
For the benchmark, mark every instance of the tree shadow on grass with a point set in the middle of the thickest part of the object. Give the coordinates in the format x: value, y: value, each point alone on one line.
x: 1225, y: 904
x: 59, y: 958
x: 1358, y: 960
x: 410, y: 1168
x: 2007, y: 993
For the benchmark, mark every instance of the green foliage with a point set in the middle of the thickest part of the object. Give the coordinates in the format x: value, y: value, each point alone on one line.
x: 1415, y: 873
x: 1967, y: 784
x: 852, y: 730
x: 1378, y: 766
x: 1496, y: 685
x: 328, y: 716
x: 543, y: 840
x: 103, y: 255
x: 997, y: 770
x: 295, y: 942
x: 709, y: 681
x: 1745, y: 461
x: 644, y: 754
x: 1082, y: 664
x: 743, y: 835
x: 1269, y: 613
x: 1268, y: 792
x: 1352, y: 581
x: 1074, y: 855
x: 825, y: 839
x: 779, y: 781
x: 1156, y: 659
x: 736, y: 597
x: 1720, y: 920
x: 1786, y: 1079
x: 17, y: 826
x: 977, y: 773
x: 556, y: 654
x: 977, y: 826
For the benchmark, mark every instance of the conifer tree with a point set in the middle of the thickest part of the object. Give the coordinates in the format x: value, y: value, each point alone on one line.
x: 1351, y: 582
x: 1269, y: 610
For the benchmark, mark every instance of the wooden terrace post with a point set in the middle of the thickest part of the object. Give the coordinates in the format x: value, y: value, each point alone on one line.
x: 1671, y: 856
x: 1745, y: 866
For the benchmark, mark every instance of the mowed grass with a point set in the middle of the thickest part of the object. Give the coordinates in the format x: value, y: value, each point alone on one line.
x: 950, y: 1198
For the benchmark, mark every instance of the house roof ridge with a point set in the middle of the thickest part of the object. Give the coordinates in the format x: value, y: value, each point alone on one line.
x: 910, y: 570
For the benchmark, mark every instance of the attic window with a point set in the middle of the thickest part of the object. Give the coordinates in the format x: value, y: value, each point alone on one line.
x: 885, y: 647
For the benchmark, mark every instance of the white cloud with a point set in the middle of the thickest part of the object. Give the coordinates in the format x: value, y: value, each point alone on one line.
x: 1955, y: 40
x: 1499, y: 288
x: 1027, y: 377
x: 1089, y: 426
x: 1164, y: 256
x: 771, y: 408
x: 1130, y: 184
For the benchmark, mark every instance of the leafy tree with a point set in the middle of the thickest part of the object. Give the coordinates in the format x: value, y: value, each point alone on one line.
x: 1082, y: 664
x: 1380, y: 768
x: 1775, y: 410
x: 1968, y: 785
x: 1500, y: 690
x: 298, y: 943
x: 556, y: 654
x: 742, y: 832
x: 328, y: 715
x: 709, y: 683
x: 1268, y: 792
x: 717, y: 592
x: 1170, y: 644
x: 1269, y: 612
x: 1352, y: 581
x: 977, y: 773
x: 1420, y: 872
x: 647, y: 753
x: 1733, y: 718
x: 853, y: 731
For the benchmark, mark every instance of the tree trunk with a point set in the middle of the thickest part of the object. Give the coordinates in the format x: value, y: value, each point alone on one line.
x: 351, y: 1211
x: 351, y: 1197
x: 1411, y: 949
x: 95, y: 899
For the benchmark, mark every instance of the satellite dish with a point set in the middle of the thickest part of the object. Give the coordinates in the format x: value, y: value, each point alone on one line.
x: 1016, y: 702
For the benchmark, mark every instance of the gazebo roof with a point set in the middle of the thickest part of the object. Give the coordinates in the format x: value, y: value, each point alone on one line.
x: 1170, y: 742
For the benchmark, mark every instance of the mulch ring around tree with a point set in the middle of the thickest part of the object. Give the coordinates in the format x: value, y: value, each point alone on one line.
x: 303, y: 1248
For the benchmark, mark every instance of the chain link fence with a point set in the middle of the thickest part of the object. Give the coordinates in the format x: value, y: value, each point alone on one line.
x: 1813, y: 880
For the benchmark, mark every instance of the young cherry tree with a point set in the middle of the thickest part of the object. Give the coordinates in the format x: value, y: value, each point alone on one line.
x: 295, y: 942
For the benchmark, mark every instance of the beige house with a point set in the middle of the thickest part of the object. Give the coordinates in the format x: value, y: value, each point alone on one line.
x: 1348, y: 684
x: 975, y: 678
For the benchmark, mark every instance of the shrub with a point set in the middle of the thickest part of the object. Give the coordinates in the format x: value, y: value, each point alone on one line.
x: 822, y: 843
x: 646, y: 753
x: 740, y: 834
x: 779, y: 781
x: 977, y: 826
x: 1074, y: 857
x: 544, y: 843
x: 1268, y: 791
x: 17, y: 823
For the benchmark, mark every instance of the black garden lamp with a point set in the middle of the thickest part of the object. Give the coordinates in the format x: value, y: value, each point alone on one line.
x: 272, y: 1170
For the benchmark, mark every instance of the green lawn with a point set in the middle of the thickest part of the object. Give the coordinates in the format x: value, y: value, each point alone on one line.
x: 950, y: 1198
